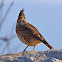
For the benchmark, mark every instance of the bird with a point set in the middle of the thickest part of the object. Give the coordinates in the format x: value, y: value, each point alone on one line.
x: 28, y: 34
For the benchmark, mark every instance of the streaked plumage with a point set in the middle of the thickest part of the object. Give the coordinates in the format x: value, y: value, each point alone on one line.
x: 27, y: 33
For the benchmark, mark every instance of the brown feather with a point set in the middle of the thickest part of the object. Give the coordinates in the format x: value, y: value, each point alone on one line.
x: 27, y: 33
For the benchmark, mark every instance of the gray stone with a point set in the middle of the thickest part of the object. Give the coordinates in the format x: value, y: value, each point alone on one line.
x: 34, y: 56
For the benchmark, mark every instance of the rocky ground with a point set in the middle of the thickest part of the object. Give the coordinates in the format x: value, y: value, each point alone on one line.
x: 34, y: 56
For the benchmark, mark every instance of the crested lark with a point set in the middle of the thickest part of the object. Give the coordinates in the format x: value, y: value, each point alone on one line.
x: 27, y: 33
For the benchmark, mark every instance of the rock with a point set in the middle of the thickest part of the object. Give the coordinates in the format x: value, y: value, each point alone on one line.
x: 34, y: 56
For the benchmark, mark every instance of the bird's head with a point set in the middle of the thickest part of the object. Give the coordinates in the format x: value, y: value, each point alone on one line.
x: 21, y: 16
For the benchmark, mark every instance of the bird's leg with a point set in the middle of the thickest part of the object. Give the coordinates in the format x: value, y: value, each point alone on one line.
x: 25, y: 49
x: 33, y: 48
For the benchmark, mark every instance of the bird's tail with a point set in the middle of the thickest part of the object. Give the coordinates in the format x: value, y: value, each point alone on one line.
x: 47, y: 44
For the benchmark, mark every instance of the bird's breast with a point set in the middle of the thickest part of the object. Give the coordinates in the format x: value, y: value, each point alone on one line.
x: 29, y: 41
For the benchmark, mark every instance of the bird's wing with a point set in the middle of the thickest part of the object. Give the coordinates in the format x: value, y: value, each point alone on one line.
x: 34, y: 29
x: 31, y: 31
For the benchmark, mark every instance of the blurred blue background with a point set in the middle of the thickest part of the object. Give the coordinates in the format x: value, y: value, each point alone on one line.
x: 45, y: 15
